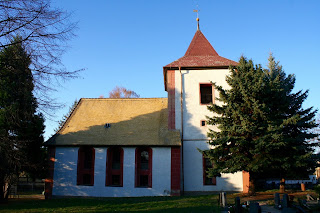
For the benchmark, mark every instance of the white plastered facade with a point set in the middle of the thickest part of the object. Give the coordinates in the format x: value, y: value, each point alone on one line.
x: 65, y: 174
x: 195, y: 135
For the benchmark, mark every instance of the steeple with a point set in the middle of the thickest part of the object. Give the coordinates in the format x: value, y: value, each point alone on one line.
x: 200, y: 54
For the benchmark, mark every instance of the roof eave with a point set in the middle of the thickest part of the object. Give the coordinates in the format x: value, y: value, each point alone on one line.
x: 166, y: 68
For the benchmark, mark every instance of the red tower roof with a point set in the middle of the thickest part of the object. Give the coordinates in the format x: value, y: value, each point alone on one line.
x: 200, y: 54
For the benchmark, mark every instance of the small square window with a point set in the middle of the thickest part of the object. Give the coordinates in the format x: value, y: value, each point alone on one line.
x: 205, y: 93
x: 203, y: 123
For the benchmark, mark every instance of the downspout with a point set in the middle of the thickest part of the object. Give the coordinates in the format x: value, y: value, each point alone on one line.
x: 181, y: 110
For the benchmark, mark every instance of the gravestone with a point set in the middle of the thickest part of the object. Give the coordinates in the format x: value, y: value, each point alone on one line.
x: 237, y: 206
x: 277, y: 203
x: 223, y: 199
x: 254, y: 208
x: 285, y: 201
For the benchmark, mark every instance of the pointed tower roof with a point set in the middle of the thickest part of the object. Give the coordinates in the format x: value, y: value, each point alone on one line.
x: 200, y: 46
x: 200, y: 54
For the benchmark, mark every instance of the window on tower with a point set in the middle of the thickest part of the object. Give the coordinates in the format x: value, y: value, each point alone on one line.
x: 206, y: 165
x: 206, y: 93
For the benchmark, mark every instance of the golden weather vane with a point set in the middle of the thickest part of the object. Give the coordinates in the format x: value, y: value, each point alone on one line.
x: 197, y: 11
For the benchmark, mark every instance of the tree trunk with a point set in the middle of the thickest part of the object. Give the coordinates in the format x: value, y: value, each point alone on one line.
x: 252, y: 189
x: 3, y: 192
x: 282, y: 185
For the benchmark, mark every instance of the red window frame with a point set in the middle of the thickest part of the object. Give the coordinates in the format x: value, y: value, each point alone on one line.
x: 82, y: 168
x: 110, y: 171
x: 205, y: 123
x: 143, y: 172
x: 206, y: 180
x: 212, y: 93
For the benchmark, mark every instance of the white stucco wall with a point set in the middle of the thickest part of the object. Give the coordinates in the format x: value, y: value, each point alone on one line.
x: 193, y: 170
x: 193, y: 111
x: 65, y: 174
x: 194, y: 135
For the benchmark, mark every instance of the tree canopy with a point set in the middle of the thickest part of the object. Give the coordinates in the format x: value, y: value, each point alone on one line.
x: 121, y: 92
x: 262, y: 127
x: 44, y: 31
x: 21, y: 127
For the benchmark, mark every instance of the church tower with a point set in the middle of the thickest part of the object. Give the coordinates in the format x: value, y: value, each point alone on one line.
x: 188, y: 83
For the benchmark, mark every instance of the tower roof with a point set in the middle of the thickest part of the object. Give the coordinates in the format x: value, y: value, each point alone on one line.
x: 200, y: 54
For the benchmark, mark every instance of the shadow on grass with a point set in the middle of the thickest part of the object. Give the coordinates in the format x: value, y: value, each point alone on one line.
x: 141, y: 204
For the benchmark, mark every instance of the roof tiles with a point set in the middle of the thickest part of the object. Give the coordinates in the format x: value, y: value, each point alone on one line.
x: 201, y: 54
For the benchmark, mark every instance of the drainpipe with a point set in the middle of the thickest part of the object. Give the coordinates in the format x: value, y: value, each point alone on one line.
x: 181, y: 109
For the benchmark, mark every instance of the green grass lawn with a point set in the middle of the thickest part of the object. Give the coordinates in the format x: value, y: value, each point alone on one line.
x: 207, y: 203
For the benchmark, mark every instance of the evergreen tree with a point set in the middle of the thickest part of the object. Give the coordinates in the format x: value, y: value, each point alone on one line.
x: 262, y: 127
x: 21, y: 128
x: 66, y: 116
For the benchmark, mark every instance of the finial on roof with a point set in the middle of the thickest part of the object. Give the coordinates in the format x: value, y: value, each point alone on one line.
x: 198, y: 26
x: 197, y: 11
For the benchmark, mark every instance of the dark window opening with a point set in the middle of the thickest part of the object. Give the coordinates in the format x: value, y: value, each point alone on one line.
x: 144, y: 180
x: 116, y: 162
x: 143, y: 167
x: 144, y: 160
x: 114, y: 176
x: 116, y: 180
x: 206, y: 165
x: 205, y: 93
x: 86, y: 179
x: 87, y: 159
x: 85, y: 170
x: 203, y: 123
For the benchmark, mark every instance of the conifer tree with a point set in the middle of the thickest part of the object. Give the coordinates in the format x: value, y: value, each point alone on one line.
x: 66, y: 116
x: 262, y: 127
x: 21, y: 128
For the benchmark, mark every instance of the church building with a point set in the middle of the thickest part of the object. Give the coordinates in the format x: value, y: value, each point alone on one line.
x: 145, y: 146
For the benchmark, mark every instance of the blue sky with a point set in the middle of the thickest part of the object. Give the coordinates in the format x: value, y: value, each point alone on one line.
x: 127, y: 42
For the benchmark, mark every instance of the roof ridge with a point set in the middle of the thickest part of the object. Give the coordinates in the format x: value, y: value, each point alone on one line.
x: 122, y: 98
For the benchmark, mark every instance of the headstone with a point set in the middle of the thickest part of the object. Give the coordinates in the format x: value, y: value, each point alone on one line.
x: 277, y: 203
x: 254, y: 207
x: 285, y: 201
x: 237, y: 206
x: 223, y: 199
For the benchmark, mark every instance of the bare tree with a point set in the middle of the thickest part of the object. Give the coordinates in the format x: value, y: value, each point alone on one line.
x: 121, y: 92
x: 44, y: 31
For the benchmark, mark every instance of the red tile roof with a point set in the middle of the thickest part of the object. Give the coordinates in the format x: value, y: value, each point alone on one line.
x: 200, y: 54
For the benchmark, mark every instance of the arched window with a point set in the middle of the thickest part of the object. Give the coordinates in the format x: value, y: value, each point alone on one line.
x: 144, y: 167
x: 85, y: 173
x: 206, y: 165
x: 114, y: 176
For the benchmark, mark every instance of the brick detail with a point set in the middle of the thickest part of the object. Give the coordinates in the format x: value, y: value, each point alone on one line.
x: 171, y: 99
x: 175, y: 171
x: 49, y: 179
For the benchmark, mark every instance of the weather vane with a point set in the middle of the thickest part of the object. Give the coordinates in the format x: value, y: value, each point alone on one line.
x: 197, y: 11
